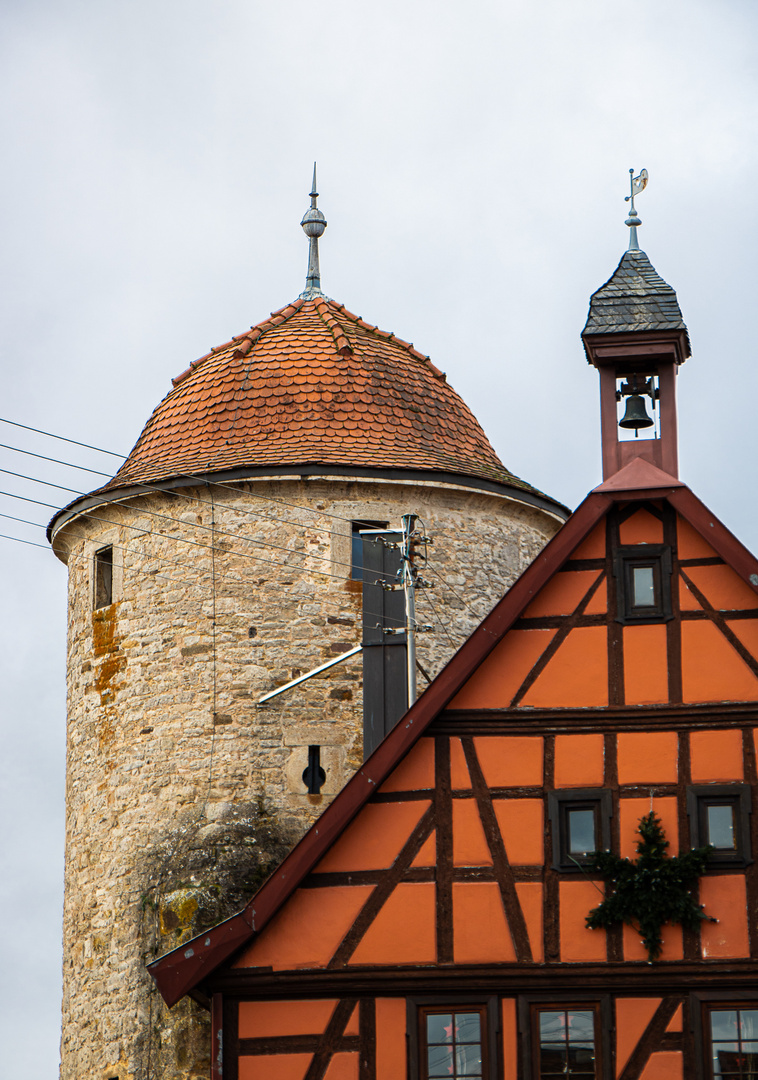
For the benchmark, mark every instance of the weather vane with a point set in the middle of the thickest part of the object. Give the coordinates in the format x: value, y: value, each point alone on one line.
x: 638, y: 184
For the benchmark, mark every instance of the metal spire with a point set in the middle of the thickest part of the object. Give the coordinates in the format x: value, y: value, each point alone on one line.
x: 638, y: 184
x: 313, y: 224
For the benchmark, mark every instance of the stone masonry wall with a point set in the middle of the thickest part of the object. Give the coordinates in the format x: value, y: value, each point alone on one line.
x: 181, y: 794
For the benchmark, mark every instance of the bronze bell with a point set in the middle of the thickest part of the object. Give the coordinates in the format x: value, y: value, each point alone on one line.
x: 636, y: 414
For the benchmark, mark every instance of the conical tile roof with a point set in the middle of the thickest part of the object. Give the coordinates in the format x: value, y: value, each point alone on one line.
x: 312, y: 385
x: 634, y: 298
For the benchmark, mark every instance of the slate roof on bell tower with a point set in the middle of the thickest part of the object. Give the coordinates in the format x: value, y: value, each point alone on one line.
x: 634, y: 298
x: 313, y: 384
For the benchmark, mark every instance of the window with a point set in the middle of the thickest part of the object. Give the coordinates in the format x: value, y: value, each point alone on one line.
x: 643, y: 583
x: 733, y: 1036
x: 103, y: 578
x: 581, y: 824
x: 565, y: 1038
x: 565, y: 1042
x: 453, y: 1043
x: 720, y: 815
x: 453, y: 1038
x: 356, y: 568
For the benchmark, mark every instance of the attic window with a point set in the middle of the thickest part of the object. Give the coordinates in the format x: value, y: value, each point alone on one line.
x: 356, y: 567
x: 103, y: 578
x: 643, y: 583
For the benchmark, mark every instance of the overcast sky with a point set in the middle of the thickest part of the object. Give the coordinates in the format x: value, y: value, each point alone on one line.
x: 473, y: 162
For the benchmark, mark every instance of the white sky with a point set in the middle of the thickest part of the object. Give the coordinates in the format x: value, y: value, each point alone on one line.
x: 473, y: 160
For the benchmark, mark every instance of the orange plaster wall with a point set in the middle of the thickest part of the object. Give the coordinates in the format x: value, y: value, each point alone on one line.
x: 672, y: 949
x: 593, y: 546
x: 646, y: 678
x: 716, y: 755
x: 641, y: 528
x: 676, y: 1021
x: 343, y: 1066
x: 427, y: 855
x: 577, y: 898
x: 746, y: 630
x: 630, y: 812
x: 579, y: 761
x: 470, y: 846
x: 459, y: 774
x: 522, y: 829
x: 390, y: 1039
x: 352, y: 1027
x: 404, y: 931
x: 664, y: 1065
x: 496, y: 681
x: 576, y: 676
x: 723, y: 587
x: 632, y: 1017
x: 712, y: 670
x: 647, y: 757
x: 724, y: 897
x: 510, y: 1040
x: 562, y: 593
x: 282, y: 1066
x: 510, y: 760
x: 530, y: 898
x: 690, y: 543
x: 415, y: 772
x: 373, y: 841
x: 267, y: 1019
x: 308, y: 929
x: 480, y: 930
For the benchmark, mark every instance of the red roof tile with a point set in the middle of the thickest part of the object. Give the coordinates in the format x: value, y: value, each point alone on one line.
x: 312, y: 385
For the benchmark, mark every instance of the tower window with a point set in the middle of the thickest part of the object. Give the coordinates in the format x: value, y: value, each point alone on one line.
x: 103, y: 577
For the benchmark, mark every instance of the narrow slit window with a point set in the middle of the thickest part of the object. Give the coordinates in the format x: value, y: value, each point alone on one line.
x: 103, y: 575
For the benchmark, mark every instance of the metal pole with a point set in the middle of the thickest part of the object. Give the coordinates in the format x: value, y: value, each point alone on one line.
x: 409, y: 588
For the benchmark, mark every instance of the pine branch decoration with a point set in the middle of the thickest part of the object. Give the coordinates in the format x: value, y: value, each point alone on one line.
x: 653, y: 890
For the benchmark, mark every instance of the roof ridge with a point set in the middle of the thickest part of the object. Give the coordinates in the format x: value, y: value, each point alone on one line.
x: 387, y: 335
x: 248, y: 339
x: 344, y: 348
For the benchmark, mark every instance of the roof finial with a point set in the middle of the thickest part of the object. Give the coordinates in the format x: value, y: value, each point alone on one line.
x: 313, y: 224
x: 638, y: 184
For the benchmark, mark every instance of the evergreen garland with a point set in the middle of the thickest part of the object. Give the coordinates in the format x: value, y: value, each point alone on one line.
x: 653, y: 890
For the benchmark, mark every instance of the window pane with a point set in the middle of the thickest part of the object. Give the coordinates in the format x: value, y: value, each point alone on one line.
x: 467, y: 1028
x: 581, y: 1027
x: 643, y: 586
x: 469, y: 1060
x: 440, y: 1061
x: 749, y: 1023
x: 439, y: 1028
x: 581, y: 832
x: 724, y: 1024
x: 552, y: 1025
x: 720, y: 822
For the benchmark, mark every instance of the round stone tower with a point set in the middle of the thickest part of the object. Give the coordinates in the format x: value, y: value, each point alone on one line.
x: 217, y: 564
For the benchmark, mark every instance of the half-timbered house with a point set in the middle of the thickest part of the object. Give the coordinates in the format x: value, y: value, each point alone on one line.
x: 433, y: 922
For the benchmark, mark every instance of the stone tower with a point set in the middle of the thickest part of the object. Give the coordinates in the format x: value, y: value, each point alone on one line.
x: 216, y: 565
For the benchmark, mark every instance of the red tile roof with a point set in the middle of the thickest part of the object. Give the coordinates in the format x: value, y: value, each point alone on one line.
x: 312, y: 385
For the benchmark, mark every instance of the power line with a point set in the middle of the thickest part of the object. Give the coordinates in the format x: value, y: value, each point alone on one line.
x: 62, y: 438
x: 56, y: 461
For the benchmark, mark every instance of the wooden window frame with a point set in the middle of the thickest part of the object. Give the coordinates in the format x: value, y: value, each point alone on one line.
x: 487, y: 1005
x: 737, y: 795
x: 530, y: 1005
x: 559, y: 802
x: 626, y: 558
x: 102, y: 567
x: 701, y: 1005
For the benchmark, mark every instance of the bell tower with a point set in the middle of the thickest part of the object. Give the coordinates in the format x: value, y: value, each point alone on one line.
x: 635, y: 336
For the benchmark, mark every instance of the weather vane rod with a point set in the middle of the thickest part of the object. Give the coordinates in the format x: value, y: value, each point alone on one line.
x: 638, y: 184
x: 313, y: 224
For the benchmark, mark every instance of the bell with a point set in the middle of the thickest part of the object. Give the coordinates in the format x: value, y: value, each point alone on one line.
x: 636, y: 414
